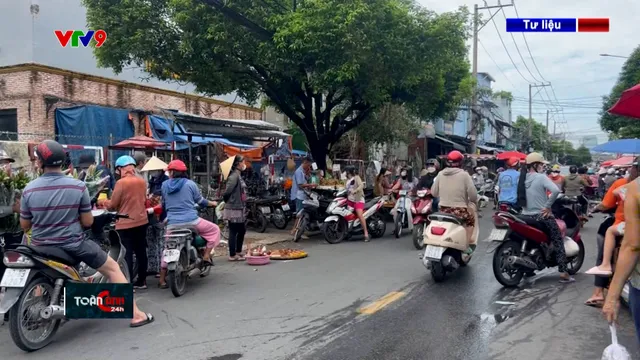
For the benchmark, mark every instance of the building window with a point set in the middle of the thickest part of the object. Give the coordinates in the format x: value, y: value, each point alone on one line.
x: 9, y: 124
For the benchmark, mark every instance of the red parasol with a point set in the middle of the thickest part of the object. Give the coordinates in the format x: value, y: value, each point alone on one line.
x: 509, y: 154
x: 623, y: 161
x: 607, y: 163
x: 628, y: 104
x: 140, y: 142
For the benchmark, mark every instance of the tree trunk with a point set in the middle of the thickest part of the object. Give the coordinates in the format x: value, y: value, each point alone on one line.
x: 319, y: 151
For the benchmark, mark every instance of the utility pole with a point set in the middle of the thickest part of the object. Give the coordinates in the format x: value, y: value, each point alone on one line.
x: 548, y: 145
x: 474, y: 68
x: 531, y: 86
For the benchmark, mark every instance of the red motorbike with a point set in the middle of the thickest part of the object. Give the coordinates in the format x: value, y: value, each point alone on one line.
x: 420, y: 210
x: 523, y: 246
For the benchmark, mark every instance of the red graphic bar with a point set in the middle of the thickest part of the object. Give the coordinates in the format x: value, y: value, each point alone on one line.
x: 593, y: 25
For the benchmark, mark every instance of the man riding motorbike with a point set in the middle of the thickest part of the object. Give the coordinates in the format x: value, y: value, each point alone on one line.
x: 457, y: 193
x: 532, y: 197
x: 573, y: 185
x: 508, y: 182
x: 426, y: 181
x: 478, y: 178
x: 555, y: 176
x: 54, y: 198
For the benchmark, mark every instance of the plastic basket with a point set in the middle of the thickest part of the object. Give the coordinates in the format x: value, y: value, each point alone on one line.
x: 258, y: 260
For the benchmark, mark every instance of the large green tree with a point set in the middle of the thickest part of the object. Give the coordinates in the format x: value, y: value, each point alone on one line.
x: 582, y: 156
x: 620, y: 127
x: 539, y: 139
x: 328, y: 65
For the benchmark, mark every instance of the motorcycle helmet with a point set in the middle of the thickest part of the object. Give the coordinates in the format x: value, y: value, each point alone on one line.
x: 611, y: 171
x: 125, y: 160
x: 432, y: 162
x: 573, y: 169
x: 590, y: 171
x: 177, y: 165
x: 512, y: 162
x: 50, y: 153
x: 555, y: 168
x: 535, y: 157
x: 455, y: 158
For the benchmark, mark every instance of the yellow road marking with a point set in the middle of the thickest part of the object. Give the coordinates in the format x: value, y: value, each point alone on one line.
x: 381, y: 303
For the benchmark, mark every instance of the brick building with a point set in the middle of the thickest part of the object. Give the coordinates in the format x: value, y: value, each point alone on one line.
x: 30, y: 93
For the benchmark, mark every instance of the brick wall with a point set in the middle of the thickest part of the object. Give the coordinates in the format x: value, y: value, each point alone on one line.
x: 26, y: 88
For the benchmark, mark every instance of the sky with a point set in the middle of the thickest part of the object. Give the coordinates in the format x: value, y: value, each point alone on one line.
x: 569, y: 61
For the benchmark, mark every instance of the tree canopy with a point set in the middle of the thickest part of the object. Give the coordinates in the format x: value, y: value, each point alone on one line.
x: 620, y: 127
x: 328, y: 65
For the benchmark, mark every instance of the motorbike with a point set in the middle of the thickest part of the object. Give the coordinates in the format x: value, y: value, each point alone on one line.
x: 420, y: 210
x: 183, y: 253
x: 277, y: 210
x: 342, y: 221
x: 486, y: 192
x: 574, y: 205
x: 33, y: 271
x: 401, y: 219
x: 525, y: 246
x: 256, y: 215
x: 447, y: 245
x: 311, y: 215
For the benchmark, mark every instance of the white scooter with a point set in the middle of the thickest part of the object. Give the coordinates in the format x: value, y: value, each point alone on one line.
x: 447, y: 245
x: 401, y: 218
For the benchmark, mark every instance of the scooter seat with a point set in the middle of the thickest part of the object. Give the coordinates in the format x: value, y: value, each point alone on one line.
x: 49, y: 252
x: 439, y: 216
x: 371, y: 203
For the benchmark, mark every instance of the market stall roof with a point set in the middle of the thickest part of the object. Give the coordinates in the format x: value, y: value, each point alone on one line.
x: 488, y: 148
x: 455, y: 144
x: 623, y: 161
x: 140, y: 142
x: 194, y: 124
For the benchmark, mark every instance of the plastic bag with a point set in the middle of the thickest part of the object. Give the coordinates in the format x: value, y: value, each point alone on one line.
x: 615, y: 351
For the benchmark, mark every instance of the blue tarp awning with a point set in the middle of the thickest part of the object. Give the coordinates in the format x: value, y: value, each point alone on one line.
x: 160, y: 127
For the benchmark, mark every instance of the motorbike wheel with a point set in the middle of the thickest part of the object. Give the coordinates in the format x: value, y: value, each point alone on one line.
x: 178, y: 277
x: 261, y: 222
x: 336, y: 231
x: 418, y: 236
x: 19, y: 330
x: 482, y: 204
x: 378, y: 226
x: 399, y: 222
x: 575, y: 263
x: 300, y: 230
x: 514, y: 276
x: 438, y: 273
x: 279, y: 219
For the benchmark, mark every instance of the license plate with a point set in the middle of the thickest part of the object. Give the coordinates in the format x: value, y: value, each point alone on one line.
x: 266, y: 210
x: 286, y: 207
x: 171, y: 255
x: 15, y: 278
x: 497, y: 235
x: 434, y: 252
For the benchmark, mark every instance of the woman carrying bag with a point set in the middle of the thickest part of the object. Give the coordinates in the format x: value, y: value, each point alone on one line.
x: 235, y: 198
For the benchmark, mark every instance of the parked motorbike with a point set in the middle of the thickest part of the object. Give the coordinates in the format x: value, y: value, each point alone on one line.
x: 311, y: 215
x: 420, y: 211
x: 279, y: 211
x: 256, y: 218
x: 401, y: 220
x: 447, y: 244
x: 342, y: 221
x: 34, y: 280
x: 525, y: 247
x: 486, y: 193
x: 183, y: 254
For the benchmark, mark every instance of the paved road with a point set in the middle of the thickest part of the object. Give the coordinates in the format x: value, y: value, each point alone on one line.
x: 309, y: 309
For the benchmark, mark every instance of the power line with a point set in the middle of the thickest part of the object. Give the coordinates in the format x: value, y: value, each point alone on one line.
x: 527, y: 43
x: 496, y: 64
x: 507, y: 50
x: 518, y: 49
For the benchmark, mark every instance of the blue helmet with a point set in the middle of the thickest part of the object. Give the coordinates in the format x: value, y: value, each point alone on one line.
x: 125, y: 160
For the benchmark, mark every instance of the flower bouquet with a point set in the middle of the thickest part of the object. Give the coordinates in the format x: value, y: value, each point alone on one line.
x: 11, y: 186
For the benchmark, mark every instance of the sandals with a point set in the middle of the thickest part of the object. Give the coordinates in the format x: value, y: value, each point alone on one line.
x: 598, y: 272
x: 596, y: 303
x: 366, y: 238
x: 568, y: 280
x: 163, y: 286
x: 148, y: 320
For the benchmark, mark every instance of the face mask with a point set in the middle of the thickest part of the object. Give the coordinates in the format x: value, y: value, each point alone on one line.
x: 431, y: 170
x: 403, y: 174
x: 243, y: 167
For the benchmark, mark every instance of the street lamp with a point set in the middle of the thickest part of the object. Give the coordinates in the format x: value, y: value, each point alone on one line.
x: 616, y: 56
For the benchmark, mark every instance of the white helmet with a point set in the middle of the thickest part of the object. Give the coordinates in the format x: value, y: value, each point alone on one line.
x: 611, y: 171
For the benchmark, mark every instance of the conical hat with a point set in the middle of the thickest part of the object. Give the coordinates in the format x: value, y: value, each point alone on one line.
x: 154, y: 164
x: 225, y: 166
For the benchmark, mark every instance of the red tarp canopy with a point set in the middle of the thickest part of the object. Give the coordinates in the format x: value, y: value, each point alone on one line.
x: 625, y: 160
x: 509, y: 154
x: 628, y: 104
x: 607, y: 163
x: 140, y: 142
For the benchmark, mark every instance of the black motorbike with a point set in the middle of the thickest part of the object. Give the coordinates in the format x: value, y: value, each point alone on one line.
x: 312, y: 214
x: 256, y: 218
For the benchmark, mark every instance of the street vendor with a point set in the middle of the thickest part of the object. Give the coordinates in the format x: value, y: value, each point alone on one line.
x: 5, y: 159
x: 87, y: 160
